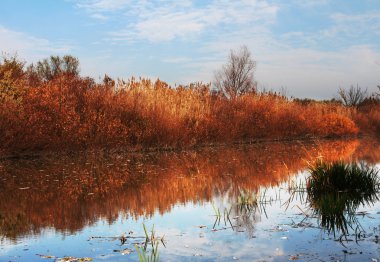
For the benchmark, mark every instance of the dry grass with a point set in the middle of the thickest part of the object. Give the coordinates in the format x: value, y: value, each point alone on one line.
x: 367, y: 116
x: 69, y: 112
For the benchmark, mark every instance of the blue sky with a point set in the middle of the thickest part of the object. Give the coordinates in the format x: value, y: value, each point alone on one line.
x: 308, y: 48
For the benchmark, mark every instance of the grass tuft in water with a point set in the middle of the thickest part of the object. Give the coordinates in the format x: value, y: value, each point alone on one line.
x: 142, y: 251
x: 336, y: 190
x: 247, y: 201
x: 342, y: 177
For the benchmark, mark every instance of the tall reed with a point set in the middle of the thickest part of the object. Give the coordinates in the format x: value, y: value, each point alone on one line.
x: 69, y: 112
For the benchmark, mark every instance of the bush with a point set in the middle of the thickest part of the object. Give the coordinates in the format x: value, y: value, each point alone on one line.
x: 71, y: 112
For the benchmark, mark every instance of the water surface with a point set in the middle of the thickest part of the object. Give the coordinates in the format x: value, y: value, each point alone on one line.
x: 80, y: 205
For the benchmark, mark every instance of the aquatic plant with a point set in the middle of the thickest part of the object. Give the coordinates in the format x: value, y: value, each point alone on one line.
x: 342, y: 177
x: 336, y: 190
x: 247, y: 201
x: 226, y: 216
x: 143, y: 253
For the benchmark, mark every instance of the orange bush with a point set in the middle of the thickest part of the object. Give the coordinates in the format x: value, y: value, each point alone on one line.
x: 367, y: 117
x: 69, y: 112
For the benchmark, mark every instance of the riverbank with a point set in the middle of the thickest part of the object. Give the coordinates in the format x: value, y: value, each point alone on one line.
x: 72, y: 113
x: 210, y: 146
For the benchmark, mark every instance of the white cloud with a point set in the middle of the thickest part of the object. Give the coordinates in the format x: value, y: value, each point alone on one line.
x: 315, y: 73
x: 308, y: 63
x: 310, y: 3
x: 29, y: 47
x: 99, y: 16
x: 99, y: 6
x: 170, y: 21
x: 168, y: 26
x: 354, y: 25
x: 304, y: 72
x: 176, y: 60
x: 101, y: 9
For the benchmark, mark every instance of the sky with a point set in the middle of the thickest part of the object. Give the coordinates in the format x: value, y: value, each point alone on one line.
x: 305, y: 48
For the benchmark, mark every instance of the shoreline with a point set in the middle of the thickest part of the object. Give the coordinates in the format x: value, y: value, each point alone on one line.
x: 140, y: 150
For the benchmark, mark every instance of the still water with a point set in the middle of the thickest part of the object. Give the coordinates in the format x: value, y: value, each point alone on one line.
x: 242, y: 203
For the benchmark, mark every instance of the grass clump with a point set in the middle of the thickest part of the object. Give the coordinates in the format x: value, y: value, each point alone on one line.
x: 336, y: 190
x: 142, y: 251
x: 342, y: 177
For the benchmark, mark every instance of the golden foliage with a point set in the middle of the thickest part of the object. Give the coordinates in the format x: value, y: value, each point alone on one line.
x: 68, y: 112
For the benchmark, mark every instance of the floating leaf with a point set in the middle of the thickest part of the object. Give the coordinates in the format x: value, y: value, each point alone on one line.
x: 46, y: 256
x: 125, y: 251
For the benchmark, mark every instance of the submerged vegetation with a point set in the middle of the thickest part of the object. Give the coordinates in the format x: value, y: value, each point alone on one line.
x: 336, y: 190
x: 49, y: 106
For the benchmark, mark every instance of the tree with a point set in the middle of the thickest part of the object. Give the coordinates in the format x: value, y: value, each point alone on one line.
x: 237, y: 76
x: 11, y: 77
x: 353, y: 97
x: 49, y: 68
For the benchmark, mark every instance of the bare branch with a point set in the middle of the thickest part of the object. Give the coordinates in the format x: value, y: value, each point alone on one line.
x: 353, y: 97
x: 237, y: 76
x: 49, y: 68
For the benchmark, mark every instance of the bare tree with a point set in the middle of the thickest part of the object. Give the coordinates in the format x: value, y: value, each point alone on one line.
x: 49, y: 68
x: 236, y: 77
x: 353, y: 97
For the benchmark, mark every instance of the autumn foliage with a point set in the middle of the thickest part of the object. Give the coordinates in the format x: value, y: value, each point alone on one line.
x: 70, y: 112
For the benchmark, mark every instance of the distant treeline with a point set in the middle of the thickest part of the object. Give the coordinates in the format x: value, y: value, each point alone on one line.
x: 49, y: 106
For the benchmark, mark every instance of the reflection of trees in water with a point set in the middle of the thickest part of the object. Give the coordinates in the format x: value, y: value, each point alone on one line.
x: 69, y: 193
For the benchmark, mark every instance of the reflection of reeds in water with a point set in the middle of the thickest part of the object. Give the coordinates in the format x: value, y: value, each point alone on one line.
x: 70, y: 193
x: 246, y: 209
x: 242, y: 211
x: 218, y: 215
x: 247, y: 201
x: 336, y: 190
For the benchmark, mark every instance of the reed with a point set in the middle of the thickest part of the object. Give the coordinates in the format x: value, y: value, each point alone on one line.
x: 142, y: 251
x: 69, y: 112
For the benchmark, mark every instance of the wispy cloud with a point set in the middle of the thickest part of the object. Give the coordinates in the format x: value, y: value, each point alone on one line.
x: 310, y: 3
x: 313, y: 73
x: 338, y: 52
x: 102, y: 9
x: 342, y: 31
x: 163, y: 26
x: 311, y: 47
x: 354, y: 25
x: 99, y: 16
x: 30, y: 47
x: 170, y: 20
x: 176, y: 60
x: 100, y: 6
